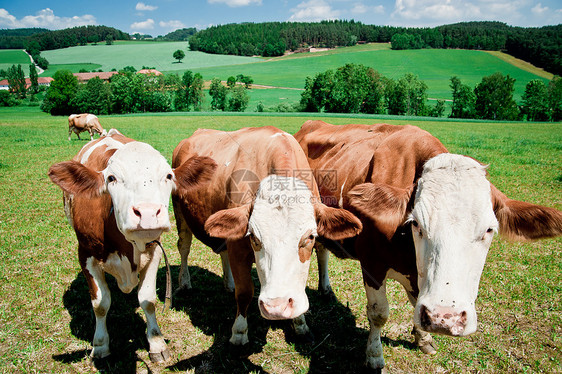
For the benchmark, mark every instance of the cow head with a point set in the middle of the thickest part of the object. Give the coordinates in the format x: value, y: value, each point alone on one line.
x: 453, y: 223
x: 139, y: 181
x: 455, y: 214
x: 281, y: 226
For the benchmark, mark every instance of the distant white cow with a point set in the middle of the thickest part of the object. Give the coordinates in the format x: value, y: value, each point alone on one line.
x: 84, y: 122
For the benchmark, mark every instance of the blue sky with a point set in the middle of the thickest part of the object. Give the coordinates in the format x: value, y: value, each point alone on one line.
x: 158, y: 17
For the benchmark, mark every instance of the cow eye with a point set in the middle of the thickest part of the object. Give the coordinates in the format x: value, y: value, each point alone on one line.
x: 415, y: 223
x: 111, y: 178
x: 489, y: 231
x: 169, y: 176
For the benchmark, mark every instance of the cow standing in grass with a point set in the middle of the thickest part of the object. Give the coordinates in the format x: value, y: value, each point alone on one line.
x: 262, y: 205
x: 428, y: 217
x: 116, y: 196
x: 78, y: 123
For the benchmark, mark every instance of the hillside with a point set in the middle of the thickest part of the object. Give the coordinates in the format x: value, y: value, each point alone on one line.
x: 541, y: 46
x: 434, y: 66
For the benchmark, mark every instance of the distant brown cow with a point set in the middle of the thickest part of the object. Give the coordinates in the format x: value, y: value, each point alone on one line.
x: 84, y: 122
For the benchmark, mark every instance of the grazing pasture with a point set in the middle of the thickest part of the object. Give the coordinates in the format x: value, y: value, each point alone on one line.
x: 138, y: 54
x: 9, y: 57
x: 45, y: 312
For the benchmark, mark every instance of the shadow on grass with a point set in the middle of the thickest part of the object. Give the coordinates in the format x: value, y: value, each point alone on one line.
x: 127, y: 329
x: 339, y: 346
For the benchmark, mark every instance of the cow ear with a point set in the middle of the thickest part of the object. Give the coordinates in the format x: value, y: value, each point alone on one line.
x: 336, y: 224
x: 229, y: 224
x: 385, y: 205
x: 194, y: 172
x: 77, y: 179
x: 524, y: 221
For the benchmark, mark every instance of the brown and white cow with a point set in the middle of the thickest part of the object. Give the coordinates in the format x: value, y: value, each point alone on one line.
x: 262, y: 206
x: 428, y: 220
x: 116, y: 196
x: 84, y: 122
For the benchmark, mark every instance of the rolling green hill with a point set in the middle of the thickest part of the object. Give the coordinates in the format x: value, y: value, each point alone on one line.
x: 138, y: 54
x: 9, y: 57
x: 434, y: 66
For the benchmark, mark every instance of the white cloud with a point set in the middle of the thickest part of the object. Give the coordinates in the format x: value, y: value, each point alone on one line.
x: 313, y: 11
x: 235, y: 3
x: 46, y: 19
x: 145, y: 7
x: 171, y: 25
x: 360, y: 8
x: 539, y: 10
x: 143, y: 25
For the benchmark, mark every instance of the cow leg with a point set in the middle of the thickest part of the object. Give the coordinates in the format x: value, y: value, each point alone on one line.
x: 422, y: 339
x: 147, y: 299
x: 324, y: 286
x: 184, y: 247
x: 241, y: 259
x: 69, y: 133
x: 227, y: 279
x: 101, y: 301
x: 91, y: 134
x: 377, y: 312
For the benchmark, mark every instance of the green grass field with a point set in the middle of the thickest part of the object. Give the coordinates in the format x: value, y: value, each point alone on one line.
x: 9, y: 57
x: 434, y: 67
x: 45, y: 312
x: 138, y: 54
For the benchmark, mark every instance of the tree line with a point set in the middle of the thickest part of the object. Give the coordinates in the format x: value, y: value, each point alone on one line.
x: 541, y: 46
x: 42, y: 39
x: 355, y: 88
x: 130, y: 92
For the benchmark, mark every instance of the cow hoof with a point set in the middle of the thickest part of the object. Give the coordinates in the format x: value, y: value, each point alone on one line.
x: 100, y: 352
x: 306, y: 338
x: 182, y: 290
x: 160, y: 356
x: 239, y: 339
x: 428, y: 349
x: 368, y: 370
x: 328, y: 296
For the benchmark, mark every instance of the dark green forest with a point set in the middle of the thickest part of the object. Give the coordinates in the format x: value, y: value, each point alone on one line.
x: 43, y: 40
x: 540, y: 46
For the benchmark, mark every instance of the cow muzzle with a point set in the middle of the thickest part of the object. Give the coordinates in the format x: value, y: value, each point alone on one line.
x: 444, y: 320
x: 277, y: 308
x: 149, y: 216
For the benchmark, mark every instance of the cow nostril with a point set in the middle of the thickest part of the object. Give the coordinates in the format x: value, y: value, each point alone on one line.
x: 158, y: 212
x: 290, y: 303
x: 137, y: 212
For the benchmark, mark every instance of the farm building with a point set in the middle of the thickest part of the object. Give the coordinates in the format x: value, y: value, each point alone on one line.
x: 149, y: 72
x: 84, y: 77
x: 43, y: 81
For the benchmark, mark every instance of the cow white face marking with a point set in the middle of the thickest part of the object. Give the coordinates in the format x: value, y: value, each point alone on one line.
x: 282, y: 230
x: 140, y: 182
x: 453, y: 224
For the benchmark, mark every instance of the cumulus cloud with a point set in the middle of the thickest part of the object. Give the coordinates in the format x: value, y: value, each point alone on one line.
x: 143, y: 25
x: 46, y: 19
x: 360, y: 8
x: 235, y: 3
x: 539, y: 10
x: 313, y: 11
x: 145, y: 7
x: 171, y: 25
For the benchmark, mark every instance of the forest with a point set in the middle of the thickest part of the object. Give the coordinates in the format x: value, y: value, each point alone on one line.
x: 43, y: 39
x: 540, y: 46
